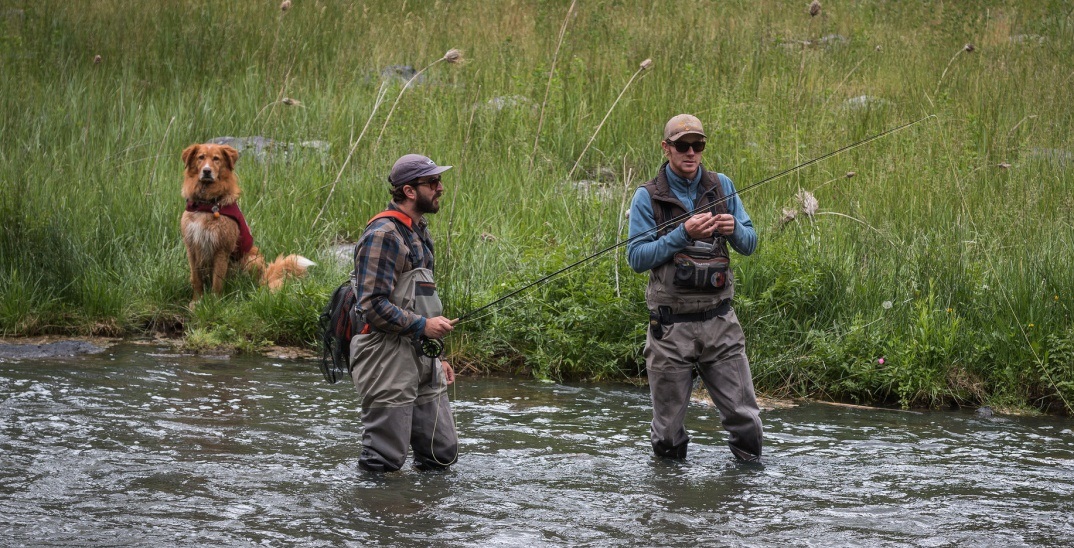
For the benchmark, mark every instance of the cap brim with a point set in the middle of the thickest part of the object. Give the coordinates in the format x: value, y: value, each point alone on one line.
x: 682, y: 134
x: 436, y: 171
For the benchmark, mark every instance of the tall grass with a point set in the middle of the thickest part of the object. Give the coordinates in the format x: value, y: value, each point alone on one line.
x: 941, y: 273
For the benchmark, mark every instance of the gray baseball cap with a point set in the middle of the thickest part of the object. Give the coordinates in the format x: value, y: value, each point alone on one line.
x: 412, y: 166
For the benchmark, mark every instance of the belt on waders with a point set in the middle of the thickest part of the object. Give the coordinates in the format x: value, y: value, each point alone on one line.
x: 665, y: 317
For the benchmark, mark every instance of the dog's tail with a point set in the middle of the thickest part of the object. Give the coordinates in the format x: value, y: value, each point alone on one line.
x: 282, y: 268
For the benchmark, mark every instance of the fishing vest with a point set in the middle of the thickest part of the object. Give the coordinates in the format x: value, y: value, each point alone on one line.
x: 698, y: 278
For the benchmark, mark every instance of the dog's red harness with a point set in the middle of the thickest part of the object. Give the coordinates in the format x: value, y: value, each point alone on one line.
x: 246, y: 239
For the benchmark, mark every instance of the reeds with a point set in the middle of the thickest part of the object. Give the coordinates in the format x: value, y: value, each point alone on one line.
x: 548, y: 84
x: 968, y: 48
x: 453, y: 56
x: 645, y: 65
x: 350, y: 153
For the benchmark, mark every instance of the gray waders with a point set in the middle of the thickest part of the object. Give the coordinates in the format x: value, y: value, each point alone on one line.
x: 403, y: 393
x: 715, y: 350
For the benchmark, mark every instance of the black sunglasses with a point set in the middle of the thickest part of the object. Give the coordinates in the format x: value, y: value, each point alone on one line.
x: 432, y: 182
x: 683, y: 147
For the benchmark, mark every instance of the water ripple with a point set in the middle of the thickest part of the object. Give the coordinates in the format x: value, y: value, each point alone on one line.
x: 138, y: 446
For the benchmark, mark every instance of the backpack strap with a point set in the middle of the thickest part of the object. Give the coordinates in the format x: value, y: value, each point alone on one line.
x: 389, y: 214
x: 397, y: 215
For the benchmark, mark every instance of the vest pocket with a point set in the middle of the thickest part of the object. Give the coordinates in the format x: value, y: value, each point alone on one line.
x: 700, y: 273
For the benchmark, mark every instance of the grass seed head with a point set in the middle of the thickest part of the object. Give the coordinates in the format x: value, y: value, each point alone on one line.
x: 97, y: 59
x: 851, y: 174
x: 291, y: 102
x: 646, y: 64
x: 453, y: 56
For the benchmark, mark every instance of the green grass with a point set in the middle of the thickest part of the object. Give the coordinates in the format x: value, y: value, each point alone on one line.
x: 949, y: 254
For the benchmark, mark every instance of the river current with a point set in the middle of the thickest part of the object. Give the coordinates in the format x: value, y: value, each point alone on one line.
x: 142, y: 446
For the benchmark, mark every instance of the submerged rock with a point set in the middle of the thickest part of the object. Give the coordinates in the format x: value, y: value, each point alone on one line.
x: 47, y: 350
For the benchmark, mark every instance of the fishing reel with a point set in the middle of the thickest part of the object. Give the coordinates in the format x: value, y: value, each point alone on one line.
x: 430, y: 348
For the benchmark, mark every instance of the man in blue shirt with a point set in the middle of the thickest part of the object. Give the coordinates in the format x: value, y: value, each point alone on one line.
x: 681, y: 225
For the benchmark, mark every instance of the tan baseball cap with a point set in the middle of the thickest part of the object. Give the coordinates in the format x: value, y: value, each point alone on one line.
x: 683, y: 124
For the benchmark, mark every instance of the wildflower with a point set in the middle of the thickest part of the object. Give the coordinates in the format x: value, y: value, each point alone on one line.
x: 1031, y: 326
x: 949, y: 310
x: 886, y: 305
x: 1003, y: 165
x: 880, y: 361
x: 814, y: 8
x: 291, y: 102
x: 851, y: 174
x: 97, y: 59
x: 285, y: 5
x: 646, y: 64
x: 1056, y: 298
x: 968, y: 48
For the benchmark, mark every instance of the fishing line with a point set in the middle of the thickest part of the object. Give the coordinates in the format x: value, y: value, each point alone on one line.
x: 688, y: 214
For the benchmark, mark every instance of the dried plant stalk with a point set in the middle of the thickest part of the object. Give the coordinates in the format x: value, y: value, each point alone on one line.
x: 641, y: 68
x: 452, y: 56
x: 548, y: 86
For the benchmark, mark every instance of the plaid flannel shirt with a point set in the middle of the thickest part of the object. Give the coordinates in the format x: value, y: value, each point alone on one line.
x: 385, y: 251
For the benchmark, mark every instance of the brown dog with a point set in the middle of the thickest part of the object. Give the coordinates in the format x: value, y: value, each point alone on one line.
x: 214, y: 231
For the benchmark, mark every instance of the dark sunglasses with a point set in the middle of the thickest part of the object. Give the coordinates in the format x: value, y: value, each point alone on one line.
x: 431, y: 182
x: 682, y: 147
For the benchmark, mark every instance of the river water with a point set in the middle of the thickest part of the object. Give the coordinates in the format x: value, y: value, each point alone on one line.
x: 141, y: 446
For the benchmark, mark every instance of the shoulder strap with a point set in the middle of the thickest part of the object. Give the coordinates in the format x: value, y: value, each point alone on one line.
x: 397, y: 215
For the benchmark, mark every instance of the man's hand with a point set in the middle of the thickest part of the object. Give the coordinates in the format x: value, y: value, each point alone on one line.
x: 702, y: 225
x: 449, y: 372
x: 436, y: 328
x: 725, y: 223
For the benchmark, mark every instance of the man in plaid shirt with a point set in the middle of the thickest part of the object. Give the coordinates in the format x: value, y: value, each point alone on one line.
x: 403, y: 391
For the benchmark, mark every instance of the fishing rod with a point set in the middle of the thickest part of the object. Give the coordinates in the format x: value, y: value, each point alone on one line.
x: 691, y: 213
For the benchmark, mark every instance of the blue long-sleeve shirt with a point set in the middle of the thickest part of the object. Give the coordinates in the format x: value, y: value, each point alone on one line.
x: 648, y: 251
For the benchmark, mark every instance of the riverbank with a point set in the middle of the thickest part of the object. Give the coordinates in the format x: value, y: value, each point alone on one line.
x: 929, y: 268
x: 14, y: 349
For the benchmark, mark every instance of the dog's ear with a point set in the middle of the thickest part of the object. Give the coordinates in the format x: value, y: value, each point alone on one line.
x: 189, y: 153
x: 231, y: 154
